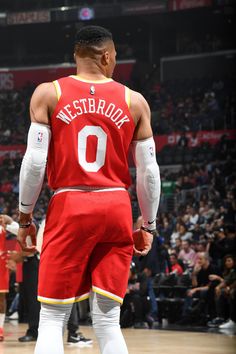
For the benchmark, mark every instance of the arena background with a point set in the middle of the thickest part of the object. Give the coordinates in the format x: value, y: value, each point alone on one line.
x: 180, y: 55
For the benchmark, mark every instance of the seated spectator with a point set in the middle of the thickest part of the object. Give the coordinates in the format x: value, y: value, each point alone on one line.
x: 200, y: 288
x: 184, y: 234
x: 136, y: 305
x: 175, y: 235
x: 187, y: 254
x: 218, y: 246
x: 225, y: 293
x: 193, y: 220
x: 175, y: 266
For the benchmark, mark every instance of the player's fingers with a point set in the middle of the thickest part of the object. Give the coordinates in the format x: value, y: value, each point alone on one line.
x: 137, y: 252
x: 144, y: 253
x: 146, y: 249
x: 26, y: 248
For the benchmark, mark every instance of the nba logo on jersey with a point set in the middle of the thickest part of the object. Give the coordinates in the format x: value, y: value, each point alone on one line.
x: 40, y: 137
x: 92, y: 90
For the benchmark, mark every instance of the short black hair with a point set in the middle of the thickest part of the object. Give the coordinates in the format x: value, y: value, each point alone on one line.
x: 92, y: 35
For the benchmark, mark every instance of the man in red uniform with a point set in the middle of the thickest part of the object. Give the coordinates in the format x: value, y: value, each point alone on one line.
x: 82, y: 127
x: 4, y: 278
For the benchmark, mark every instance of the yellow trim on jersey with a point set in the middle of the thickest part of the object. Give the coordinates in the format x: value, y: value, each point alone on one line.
x: 107, y: 294
x: 79, y: 78
x: 127, y: 96
x: 58, y: 89
x: 63, y: 302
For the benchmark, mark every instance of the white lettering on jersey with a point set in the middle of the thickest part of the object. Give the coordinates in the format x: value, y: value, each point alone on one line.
x: 91, y: 105
x: 91, y: 108
x: 101, y: 105
x: 109, y: 110
x: 77, y: 107
x: 83, y: 100
x: 61, y: 115
x: 67, y: 108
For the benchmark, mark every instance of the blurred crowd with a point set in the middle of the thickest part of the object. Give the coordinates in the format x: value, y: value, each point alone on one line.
x: 192, y: 105
x: 189, y: 276
x: 177, y: 106
x: 14, y: 116
x: 191, y: 268
x: 186, y: 44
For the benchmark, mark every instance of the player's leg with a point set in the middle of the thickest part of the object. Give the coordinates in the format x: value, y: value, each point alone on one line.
x: 110, y: 264
x: 106, y: 318
x: 63, y: 275
x: 52, y: 323
x: 2, y: 314
x: 4, y: 287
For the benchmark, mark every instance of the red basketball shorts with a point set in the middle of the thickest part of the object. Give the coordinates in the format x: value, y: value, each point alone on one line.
x: 87, y: 245
x: 4, y: 276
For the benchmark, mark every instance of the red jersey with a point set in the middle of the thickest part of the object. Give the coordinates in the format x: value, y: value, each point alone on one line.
x: 2, y: 239
x: 92, y: 129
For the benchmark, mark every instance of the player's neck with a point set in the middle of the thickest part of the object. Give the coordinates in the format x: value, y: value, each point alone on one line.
x: 90, y: 71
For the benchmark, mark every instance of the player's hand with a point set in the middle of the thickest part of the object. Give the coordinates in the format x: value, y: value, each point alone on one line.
x: 27, y: 238
x: 142, y: 242
x: 5, y: 219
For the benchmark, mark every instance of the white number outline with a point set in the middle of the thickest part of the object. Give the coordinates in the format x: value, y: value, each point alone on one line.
x: 83, y: 135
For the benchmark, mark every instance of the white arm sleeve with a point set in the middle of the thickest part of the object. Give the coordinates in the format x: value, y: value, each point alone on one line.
x: 148, y: 180
x: 33, y: 166
x: 13, y: 227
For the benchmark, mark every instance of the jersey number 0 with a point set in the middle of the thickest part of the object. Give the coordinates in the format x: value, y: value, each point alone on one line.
x: 101, y: 148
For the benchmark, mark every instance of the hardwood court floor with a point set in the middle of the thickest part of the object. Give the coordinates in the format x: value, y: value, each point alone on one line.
x: 139, y: 342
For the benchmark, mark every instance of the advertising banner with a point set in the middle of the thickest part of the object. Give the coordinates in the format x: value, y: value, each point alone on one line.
x: 28, y: 17
x: 211, y: 137
x: 176, y: 5
x: 145, y: 7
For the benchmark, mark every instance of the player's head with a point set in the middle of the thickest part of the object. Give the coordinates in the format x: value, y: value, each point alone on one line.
x: 95, y: 43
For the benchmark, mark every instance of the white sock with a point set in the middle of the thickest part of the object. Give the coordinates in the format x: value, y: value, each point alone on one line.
x: 106, y: 317
x: 53, y: 319
x: 2, y: 319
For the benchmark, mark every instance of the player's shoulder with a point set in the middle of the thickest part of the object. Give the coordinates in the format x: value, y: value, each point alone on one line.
x: 44, y: 89
x: 138, y: 100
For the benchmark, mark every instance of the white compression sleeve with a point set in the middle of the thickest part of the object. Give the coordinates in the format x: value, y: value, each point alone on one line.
x: 33, y: 166
x: 106, y: 317
x: 148, y: 180
x: 53, y: 319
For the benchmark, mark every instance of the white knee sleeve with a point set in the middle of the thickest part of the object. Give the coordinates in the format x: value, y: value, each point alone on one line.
x: 53, y: 320
x: 106, y: 318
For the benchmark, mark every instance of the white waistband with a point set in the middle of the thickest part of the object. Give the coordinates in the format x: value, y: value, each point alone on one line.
x: 80, y: 189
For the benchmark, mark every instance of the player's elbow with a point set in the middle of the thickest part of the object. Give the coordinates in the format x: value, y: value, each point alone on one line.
x: 35, y: 163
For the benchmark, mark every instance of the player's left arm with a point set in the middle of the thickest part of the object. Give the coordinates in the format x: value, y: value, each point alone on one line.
x: 148, y: 173
x: 34, y: 162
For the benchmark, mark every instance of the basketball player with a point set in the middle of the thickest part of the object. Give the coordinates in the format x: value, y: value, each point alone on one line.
x: 28, y: 286
x: 82, y: 127
x: 4, y: 274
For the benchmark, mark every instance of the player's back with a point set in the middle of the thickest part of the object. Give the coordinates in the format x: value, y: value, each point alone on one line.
x: 91, y: 132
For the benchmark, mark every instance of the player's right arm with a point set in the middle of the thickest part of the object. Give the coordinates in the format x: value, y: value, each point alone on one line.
x: 33, y: 166
x: 144, y: 151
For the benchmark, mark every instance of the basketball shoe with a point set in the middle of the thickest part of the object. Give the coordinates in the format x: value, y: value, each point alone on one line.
x: 79, y: 339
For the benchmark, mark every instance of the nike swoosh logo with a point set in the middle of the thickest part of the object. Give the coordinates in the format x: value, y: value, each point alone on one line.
x: 25, y: 204
x: 151, y: 222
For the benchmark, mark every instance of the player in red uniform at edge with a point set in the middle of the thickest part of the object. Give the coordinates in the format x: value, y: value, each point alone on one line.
x: 82, y: 127
x: 4, y: 278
